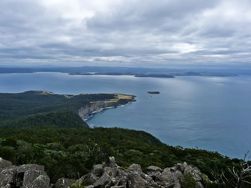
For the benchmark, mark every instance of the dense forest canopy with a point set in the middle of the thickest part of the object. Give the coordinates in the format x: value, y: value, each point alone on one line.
x: 70, y: 152
x: 18, y: 105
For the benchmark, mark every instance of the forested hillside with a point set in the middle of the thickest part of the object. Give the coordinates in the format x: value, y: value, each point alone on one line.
x: 70, y: 152
x: 17, y: 105
x: 41, y: 108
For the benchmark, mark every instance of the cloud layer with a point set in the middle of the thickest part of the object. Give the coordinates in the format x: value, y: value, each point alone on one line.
x: 125, y: 32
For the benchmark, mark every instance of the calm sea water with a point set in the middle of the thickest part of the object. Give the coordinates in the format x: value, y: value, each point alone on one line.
x: 212, y: 113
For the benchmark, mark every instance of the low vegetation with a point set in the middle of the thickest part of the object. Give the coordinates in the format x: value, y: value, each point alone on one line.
x: 71, y: 152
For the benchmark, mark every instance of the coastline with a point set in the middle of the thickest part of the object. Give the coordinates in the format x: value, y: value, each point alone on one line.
x: 91, y: 115
x: 93, y: 108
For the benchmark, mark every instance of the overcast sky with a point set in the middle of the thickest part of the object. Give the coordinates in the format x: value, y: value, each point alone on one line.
x: 125, y: 32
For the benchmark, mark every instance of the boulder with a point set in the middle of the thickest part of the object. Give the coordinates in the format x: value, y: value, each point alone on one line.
x: 180, y: 166
x: 195, y: 172
x: 98, y: 170
x: 42, y: 181
x: 135, y: 168
x: 4, y: 163
x: 136, y: 181
x: 26, y: 176
x: 31, y: 175
x: 7, y: 176
x: 169, y: 176
x: 87, y: 179
x: 104, y: 181
x: 154, y: 172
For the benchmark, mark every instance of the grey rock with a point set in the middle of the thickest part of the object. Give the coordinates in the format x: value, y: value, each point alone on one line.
x: 111, y: 175
x: 194, y: 172
x: 135, y: 168
x: 7, y: 176
x: 136, y: 181
x: 89, y: 186
x: 98, y: 170
x: 87, y: 179
x: 199, y: 185
x: 154, y: 172
x: 101, y: 176
x: 4, y: 163
x: 179, y: 175
x: 111, y: 171
x: 168, y: 175
x: 177, y: 185
x: 31, y: 175
x: 26, y: 167
x: 112, y: 162
x: 25, y: 176
x: 154, y: 169
x: 181, y: 167
x: 41, y: 181
x: 103, y: 181
x: 63, y: 183
x: 156, y: 176
x: 121, y: 179
x: 6, y: 186
x: 136, y: 178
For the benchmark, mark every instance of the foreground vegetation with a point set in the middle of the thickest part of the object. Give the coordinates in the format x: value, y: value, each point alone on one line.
x: 71, y: 152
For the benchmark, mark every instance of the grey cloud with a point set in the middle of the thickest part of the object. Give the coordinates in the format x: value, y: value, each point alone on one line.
x: 133, y: 32
x: 150, y: 16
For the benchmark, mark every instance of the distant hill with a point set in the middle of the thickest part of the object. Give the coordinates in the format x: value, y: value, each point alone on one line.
x: 139, y: 72
x: 50, y: 119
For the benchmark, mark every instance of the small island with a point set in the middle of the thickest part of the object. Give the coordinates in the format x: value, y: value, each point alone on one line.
x: 153, y: 92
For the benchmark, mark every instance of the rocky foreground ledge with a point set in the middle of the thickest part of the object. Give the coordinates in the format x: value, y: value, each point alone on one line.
x: 104, y: 176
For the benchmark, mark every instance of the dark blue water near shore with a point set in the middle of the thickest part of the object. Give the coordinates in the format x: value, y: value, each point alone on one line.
x: 207, y: 112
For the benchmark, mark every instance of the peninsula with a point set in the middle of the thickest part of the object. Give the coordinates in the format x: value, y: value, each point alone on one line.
x: 42, y: 107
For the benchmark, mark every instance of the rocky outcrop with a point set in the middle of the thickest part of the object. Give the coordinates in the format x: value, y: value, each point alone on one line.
x: 25, y: 176
x: 4, y: 163
x: 104, y: 175
x: 112, y: 175
x: 92, y: 108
